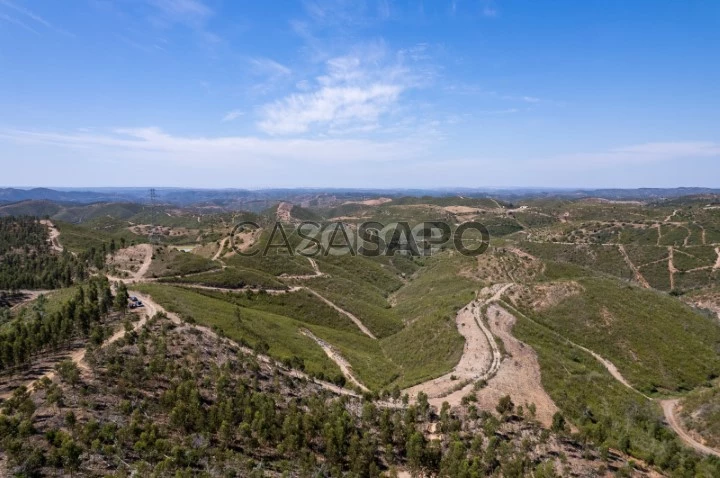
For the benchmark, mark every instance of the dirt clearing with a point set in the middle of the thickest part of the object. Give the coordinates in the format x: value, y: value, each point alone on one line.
x: 519, y: 374
x: 134, y: 260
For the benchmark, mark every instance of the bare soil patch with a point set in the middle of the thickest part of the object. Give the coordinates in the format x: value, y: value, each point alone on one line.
x: 519, y: 374
x: 545, y: 296
x: 133, y: 261
x: 462, y: 210
x: 370, y: 202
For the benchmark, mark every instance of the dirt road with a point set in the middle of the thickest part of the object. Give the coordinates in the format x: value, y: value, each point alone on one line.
x: 153, y: 307
x: 669, y: 409
x: 636, y: 272
x: 236, y: 290
x: 480, y: 359
x: 316, y: 272
x: 54, y: 234
x: 519, y: 376
x: 220, y: 249
x: 336, y: 357
x: 146, y: 262
x: 78, y: 356
x: 668, y: 406
x: 347, y: 314
x: 283, y: 212
x: 672, y: 270
x: 30, y: 295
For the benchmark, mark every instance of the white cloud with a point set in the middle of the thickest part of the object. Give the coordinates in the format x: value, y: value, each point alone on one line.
x: 353, y: 94
x: 329, y: 106
x: 266, y: 66
x: 672, y: 149
x: 638, y: 154
x: 191, y: 14
x: 232, y: 115
x: 153, y: 143
x: 17, y: 22
x: 185, y: 11
x: 29, y: 14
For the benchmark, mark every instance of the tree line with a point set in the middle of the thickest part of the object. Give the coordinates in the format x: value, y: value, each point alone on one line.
x: 80, y: 316
x: 27, y: 260
x: 166, y: 404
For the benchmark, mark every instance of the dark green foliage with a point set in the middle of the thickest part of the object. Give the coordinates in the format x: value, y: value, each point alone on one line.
x: 27, y: 260
x: 44, y: 332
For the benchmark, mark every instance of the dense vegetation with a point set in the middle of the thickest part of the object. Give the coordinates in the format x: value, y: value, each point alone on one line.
x: 22, y: 341
x: 174, y: 400
x: 27, y: 260
x: 217, y: 412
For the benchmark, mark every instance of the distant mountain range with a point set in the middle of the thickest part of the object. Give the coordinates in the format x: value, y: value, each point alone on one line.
x: 239, y: 197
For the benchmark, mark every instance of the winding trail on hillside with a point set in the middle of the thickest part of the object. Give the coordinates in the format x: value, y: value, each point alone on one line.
x: 316, y: 272
x: 674, y: 213
x: 152, y: 308
x: 54, y: 235
x: 669, y: 406
x: 336, y: 357
x: 329, y: 350
x: 670, y: 411
x: 638, y: 276
x: 344, y: 312
x: 220, y: 249
x: 255, y: 290
x: 481, y: 355
x: 609, y: 366
x: 139, y: 275
x: 146, y: 262
x: 78, y: 356
x: 31, y: 296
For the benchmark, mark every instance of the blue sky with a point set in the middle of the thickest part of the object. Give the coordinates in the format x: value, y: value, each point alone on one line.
x: 376, y: 93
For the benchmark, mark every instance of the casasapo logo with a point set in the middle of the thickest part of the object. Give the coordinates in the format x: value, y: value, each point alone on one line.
x: 368, y: 239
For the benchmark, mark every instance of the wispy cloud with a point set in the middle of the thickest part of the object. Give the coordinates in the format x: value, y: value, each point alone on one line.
x: 643, y: 153
x: 267, y: 66
x: 31, y: 15
x: 355, y: 91
x: 268, y: 73
x: 17, y: 22
x: 232, y: 115
x: 189, y: 12
x: 154, y: 143
x: 145, y: 47
x: 489, y: 9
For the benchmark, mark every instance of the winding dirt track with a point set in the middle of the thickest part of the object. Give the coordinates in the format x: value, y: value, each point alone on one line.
x: 316, y: 272
x: 32, y: 295
x: 480, y: 359
x: 638, y: 276
x: 347, y: 314
x: 151, y: 308
x: 78, y: 356
x: 146, y: 263
x: 220, y: 249
x: 669, y: 408
x: 336, y: 357
x: 468, y: 363
x: 54, y: 234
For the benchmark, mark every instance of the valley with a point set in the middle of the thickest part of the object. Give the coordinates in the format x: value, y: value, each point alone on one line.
x: 602, y: 325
